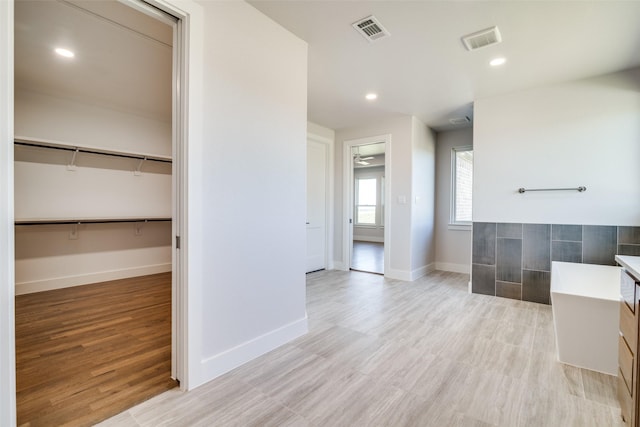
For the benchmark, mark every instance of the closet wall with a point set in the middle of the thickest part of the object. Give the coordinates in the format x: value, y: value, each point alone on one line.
x: 54, y: 256
x: 97, y: 186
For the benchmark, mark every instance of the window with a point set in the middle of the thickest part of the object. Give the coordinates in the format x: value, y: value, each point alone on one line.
x: 461, y: 186
x: 366, y: 192
x: 369, y: 200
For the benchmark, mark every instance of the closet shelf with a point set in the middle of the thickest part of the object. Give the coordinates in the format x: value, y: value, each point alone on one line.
x: 56, y: 145
x: 51, y: 221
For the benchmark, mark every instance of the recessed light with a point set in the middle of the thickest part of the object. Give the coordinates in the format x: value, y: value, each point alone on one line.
x: 64, y: 52
x: 371, y: 96
x: 495, y: 62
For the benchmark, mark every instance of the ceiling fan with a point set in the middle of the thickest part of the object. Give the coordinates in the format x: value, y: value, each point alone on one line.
x: 361, y: 160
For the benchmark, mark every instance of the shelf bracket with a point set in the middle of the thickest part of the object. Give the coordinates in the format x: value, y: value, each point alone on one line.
x: 71, y: 167
x: 73, y: 234
x: 138, y: 172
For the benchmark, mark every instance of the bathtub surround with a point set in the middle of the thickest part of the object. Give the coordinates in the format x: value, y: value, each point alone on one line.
x: 513, y: 260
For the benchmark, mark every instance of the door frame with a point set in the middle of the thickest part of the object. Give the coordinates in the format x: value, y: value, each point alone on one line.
x: 190, y: 134
x: 348, y: 202
x: 179, y: 202
x: 329, y: 182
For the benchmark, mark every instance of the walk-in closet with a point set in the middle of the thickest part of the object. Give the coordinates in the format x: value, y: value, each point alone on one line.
x: 93, y: 209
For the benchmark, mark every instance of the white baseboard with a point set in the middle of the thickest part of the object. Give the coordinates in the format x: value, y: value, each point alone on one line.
x: 455, y: 268
x: 339, y: 265
x: 219, y: 364
x: 409, y: 276
x: 422, y: 271
x: 369, y: 239
x: 86, y: 279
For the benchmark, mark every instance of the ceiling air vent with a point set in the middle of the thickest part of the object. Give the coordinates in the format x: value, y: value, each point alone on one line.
x: 482, y: 38
x: 371, y: 29
x: 460, y: 120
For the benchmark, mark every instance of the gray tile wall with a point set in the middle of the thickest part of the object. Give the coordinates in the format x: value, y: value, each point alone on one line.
x: 514, y: 260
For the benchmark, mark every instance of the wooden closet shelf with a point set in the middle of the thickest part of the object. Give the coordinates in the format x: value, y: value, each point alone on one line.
x: 56, y: 145
x: 87, y: 220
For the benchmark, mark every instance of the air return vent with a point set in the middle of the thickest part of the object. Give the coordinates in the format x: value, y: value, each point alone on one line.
x: 482, y: 38
x: 460, y: 120
x: 371, y: 29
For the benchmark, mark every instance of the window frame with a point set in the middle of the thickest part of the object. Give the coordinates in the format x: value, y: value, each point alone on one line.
x: 454, y: 223
x: 379, y: 206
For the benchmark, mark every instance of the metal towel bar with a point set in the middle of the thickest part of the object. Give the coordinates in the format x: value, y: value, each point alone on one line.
x: 579, y: 189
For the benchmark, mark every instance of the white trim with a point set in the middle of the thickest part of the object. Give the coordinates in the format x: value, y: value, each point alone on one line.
x: 452, y: 193
x: 422, y: 271
x: 347, y: 191
x: 187, y: 215
x: 459, y: 227
x: 7, y: 257
x: 374, y: 239
x: 339, y: 265
x: 329, y: 195
x: 453, y: 267
x: 87, y: 279
x: 228, y: 360
x: 410, y: 276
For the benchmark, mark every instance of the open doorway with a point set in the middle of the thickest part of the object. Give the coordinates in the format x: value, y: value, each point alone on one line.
x: 368, y: 204
x: 95, y: 208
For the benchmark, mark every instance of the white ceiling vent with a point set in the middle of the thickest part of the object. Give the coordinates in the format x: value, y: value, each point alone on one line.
x: 460, y: 120
x: 371, y: 29
x: 482, y: 38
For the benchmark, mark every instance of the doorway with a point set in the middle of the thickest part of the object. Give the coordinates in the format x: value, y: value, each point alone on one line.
x: 366, y: 238
x: 96, y: 197
x: 368, y: 208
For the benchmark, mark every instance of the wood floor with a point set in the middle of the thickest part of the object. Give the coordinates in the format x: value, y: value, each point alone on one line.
x: 389, y: 353
x: 86, y: 353
x: 368, y: 256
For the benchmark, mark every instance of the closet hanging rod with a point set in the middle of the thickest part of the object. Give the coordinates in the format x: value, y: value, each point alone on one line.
x: 92, y: 151
x: 579, y: 189
x: 88, y: 221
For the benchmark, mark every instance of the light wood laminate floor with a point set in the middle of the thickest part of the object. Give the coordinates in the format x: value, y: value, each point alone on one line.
x: 368, y: 256
x: 389, y: 353
x: 86, y: 353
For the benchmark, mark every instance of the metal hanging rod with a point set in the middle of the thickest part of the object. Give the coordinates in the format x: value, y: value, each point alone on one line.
x: 579, y: 189
x: 88, y: 221
x: 91, y: 151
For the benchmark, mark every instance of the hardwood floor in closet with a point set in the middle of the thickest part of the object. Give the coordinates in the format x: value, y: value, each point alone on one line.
x: 89, y: 352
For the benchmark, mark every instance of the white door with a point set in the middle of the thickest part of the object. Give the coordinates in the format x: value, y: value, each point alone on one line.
x: 316, y: 205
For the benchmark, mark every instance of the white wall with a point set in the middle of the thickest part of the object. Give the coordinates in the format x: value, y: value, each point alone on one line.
x: 7, y: 298
x: 410, y: 164
x: 42, y: 116
x: 453, y: 246
x: 423, y: 198
x: 399, y: 243
x: 100, y: 187
x: 579, y: 133
x: 321, y: 131
x: 252, y: 189
x: 46, y: 257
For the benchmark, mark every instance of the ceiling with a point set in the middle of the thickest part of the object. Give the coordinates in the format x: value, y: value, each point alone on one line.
x: 123, y: 58
x: 423, y: 69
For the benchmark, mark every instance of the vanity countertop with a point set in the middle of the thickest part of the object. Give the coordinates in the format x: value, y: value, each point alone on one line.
x: 630, y: 263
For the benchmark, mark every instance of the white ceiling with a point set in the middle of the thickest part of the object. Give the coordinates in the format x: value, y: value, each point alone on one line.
x: 423, y: 69
x: 123, y: 57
